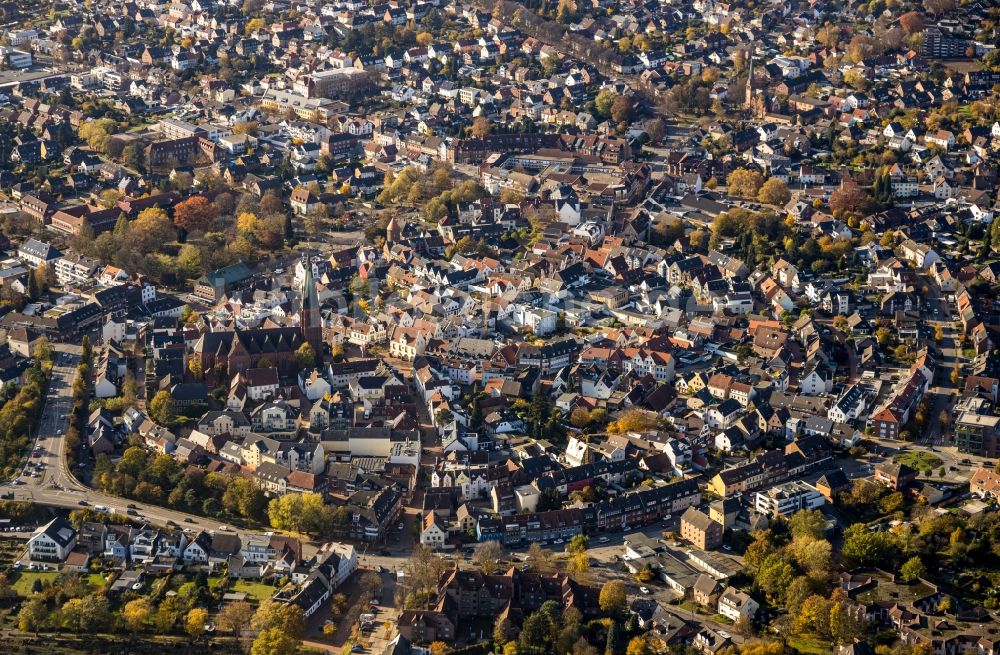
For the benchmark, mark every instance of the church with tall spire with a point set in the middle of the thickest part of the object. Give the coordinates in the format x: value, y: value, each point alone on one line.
x: 751, y: 87
x: 310, y: 320
x: 756, y: 100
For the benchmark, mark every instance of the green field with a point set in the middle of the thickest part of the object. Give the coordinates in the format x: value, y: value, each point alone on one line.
x: 255, y: 590
x: 96, y: 581
x: 810, y: 645
x: 919, y: 460
x: 26, y: 580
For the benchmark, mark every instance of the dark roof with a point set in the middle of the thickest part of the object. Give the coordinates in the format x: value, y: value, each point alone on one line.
x: 36, y: 248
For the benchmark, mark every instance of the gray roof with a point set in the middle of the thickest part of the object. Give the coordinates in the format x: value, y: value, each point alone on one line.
x: 36, y: 248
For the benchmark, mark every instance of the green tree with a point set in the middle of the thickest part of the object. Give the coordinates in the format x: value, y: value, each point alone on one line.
x: 614, y: 642
x: 129, y: 388
x: 534, y: 633
x: 578, y: 544
x: 863, y: 547
x: 34, y: 290
x: 189, y: 260
x: 97, y: 133
x: 774, y: 576
x: 161, y: 408
x: 913, y: 569
x: 807, y: 523
x: 300, y: 513
x: 166, y: 616
x: 604, y: 101
x: 813, y: 555
x: 33, y: 615
x: 305, y: 356
x: 88, y: 614
x: 43, y: 350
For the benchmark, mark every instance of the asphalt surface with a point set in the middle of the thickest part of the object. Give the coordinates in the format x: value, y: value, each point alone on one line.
x: 55, y: 486
x: 47, y: 449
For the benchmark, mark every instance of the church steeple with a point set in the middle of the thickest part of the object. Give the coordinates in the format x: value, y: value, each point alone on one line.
x: 751, y: 87
x: 310, y: 322
x: 393, y: 232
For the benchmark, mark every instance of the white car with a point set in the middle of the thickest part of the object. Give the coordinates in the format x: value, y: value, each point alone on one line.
x: 645, y: 590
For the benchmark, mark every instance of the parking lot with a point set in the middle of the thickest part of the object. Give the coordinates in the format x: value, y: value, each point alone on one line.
x: 375, y: 641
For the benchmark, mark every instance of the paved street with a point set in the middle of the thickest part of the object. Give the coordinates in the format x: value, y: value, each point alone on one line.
x: 51, y: 430
x: 56, y: 487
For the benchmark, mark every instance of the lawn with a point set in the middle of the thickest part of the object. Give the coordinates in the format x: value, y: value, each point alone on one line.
x: 255, y: 590
x: 810, y: 645
x: 26, y: 580
x: 920, y: 460
x: 96, y: 581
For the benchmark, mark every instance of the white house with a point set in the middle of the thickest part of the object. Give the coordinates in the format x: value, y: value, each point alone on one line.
x: 37, y: 253
x: 432, y: 533
x: 52, y: 542
x: 724, y: 415
x: 815, y: 379
x: 198, y: 550
x: 941, y: 138
x: 734, y: 603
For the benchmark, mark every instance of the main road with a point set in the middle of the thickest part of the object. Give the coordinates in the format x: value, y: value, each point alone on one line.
x: 55, y: 486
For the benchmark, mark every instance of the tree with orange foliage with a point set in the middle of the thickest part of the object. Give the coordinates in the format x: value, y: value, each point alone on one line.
x: 848, y: 197
x: 194, y: 214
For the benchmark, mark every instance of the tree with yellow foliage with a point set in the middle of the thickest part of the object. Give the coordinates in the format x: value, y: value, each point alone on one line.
x: 194, y: 624
x: 633, y: 420
x: 578, y: 566
x: 638, y: 646
x: 253, y: 25
x: 247, y: 223
x: 136, y: 614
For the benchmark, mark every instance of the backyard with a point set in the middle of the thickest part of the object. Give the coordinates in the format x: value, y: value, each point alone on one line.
x: 26, y: 580
x: 254, y: 590
x: 808, y: 645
